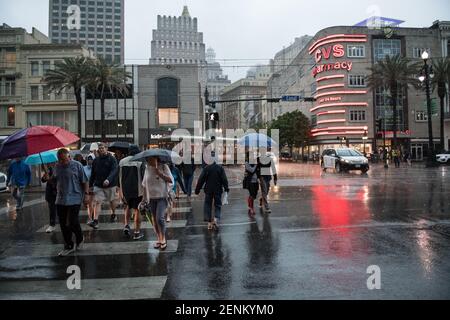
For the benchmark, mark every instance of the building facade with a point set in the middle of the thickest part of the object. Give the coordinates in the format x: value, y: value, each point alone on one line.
x: 334, y: 67
x: 24, y: 98
x: 177, y: 41
x: 444, y: 37
x: 121, y: 113
x: 244, y: 114
x: 284, y: 57
x: 170, y: 98
x: 97, y: 24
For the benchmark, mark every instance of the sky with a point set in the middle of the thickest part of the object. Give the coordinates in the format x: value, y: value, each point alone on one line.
x: 242, y: 32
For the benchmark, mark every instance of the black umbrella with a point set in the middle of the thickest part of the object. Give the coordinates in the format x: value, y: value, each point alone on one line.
x: 119, y: 146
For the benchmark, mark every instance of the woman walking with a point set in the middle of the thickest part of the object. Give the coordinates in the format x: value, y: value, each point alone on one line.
x: 50, y: 196
x: 156, y: 182
x: 251, y: 183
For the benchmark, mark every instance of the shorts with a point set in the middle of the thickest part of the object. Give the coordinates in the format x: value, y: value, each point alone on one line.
x: 107, y: 194
x: 133, y: 203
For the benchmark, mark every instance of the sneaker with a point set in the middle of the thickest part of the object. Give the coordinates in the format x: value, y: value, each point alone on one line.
x: 50, y: 229
x: 138, y: 236
x: 66, y: 252
x: 127, y: 230
x: 268, y: 210
x: 168, y: 220
x: 80, y: 246
x: 95, y: 224
x: 89, y: 222
x: 113, y: 217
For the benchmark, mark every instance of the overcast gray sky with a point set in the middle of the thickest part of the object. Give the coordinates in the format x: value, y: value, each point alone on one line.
x: 240, y: 29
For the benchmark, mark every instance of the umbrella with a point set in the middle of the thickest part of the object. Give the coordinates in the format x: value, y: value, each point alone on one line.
x: 163, y: 155
x: 34, y: 140
x: 119, y: 145
x: 256, y: 140
x: 42, y: 158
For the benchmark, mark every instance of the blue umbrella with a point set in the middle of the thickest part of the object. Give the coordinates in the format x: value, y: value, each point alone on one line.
x: 255, y: 140
x: 163, y: 155
x: 42, y: 158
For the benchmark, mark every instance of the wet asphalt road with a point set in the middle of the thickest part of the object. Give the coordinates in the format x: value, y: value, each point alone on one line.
x: 325, y: 230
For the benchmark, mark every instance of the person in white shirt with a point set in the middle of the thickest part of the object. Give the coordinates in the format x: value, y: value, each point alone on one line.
x: 156, y: 183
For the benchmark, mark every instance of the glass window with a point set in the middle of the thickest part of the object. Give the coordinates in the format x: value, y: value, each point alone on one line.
x: 168, y: 116
x: 46, y: 93
x: 386, y: 47
x: 34, y: 68
x: 421, y: 116
x: 10, y: 87
x: 34, y: 93
x: 417, y: 52
x: 356, y: 80
x: 45, y: 67
x: 356, y: 51
x: 7, y: 116
x: 357, y: 115
x: 167, y: 93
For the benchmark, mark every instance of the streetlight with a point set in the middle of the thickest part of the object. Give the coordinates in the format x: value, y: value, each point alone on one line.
x: 427, y: 73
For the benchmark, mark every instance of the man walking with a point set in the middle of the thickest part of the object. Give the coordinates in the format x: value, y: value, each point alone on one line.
x: 104, y: 181
x: 72, y: 187
x: 19, y: 177
x: 188, y: 170
x: 131, y: 174
x: 215, y: 181
x: 267, y: 168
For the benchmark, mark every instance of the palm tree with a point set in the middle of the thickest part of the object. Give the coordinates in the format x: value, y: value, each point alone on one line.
x: 441, y: 70
x: 70, y: 73
x: 393, y: 74
x: 106, y: 79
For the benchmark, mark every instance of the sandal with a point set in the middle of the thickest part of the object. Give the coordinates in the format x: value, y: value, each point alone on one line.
x: 157, y: 245
x: 210, y: 226
x: 163, y: 246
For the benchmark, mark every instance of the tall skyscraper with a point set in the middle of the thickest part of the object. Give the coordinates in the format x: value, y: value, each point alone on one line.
x: 98, y: 24
x: 177, y: 41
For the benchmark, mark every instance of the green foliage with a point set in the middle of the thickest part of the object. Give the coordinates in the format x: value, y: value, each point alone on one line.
x: 294, y: 129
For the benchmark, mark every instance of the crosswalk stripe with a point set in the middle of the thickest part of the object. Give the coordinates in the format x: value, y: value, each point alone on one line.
x: 175, y: 224
x: 91, y: 289
x: 91, y: 249
x: 120, y: 211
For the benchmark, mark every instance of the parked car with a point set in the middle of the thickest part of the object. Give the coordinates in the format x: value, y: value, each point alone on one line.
x: 443, y: 157
x: 344, y: 159
x: 2, y: 182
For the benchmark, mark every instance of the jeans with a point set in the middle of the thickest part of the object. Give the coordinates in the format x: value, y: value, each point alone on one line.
x: 18, y: 194
x: 52, y: 212
x: 209, y: 197
x: 158, y: 208
x: 68, y: 219
x: 188, y: 184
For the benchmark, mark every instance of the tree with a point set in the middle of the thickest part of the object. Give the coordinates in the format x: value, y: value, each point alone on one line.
x: 441, y: 70
x: 393, y: 74
x: 71, y: 73
x: 107, y: 79
x: 294, y: 128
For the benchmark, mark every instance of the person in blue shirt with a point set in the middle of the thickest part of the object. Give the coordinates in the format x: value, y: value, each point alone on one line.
x: 72, y: 188
x: 19, y: 177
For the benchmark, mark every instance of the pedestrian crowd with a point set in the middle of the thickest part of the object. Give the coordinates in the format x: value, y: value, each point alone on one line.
x: 147, y: 189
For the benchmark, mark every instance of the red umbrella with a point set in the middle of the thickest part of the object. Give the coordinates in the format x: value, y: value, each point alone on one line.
x: 34, y: 140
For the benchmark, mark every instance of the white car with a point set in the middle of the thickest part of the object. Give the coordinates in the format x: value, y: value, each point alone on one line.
x: 443, y: 157
x: 344, y: 159
x: 2, y: 182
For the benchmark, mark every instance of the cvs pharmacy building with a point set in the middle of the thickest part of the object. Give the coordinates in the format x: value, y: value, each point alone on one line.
x: 346, y: 110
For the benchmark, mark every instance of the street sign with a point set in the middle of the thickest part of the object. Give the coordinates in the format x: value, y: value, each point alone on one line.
x: 290, y: 98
